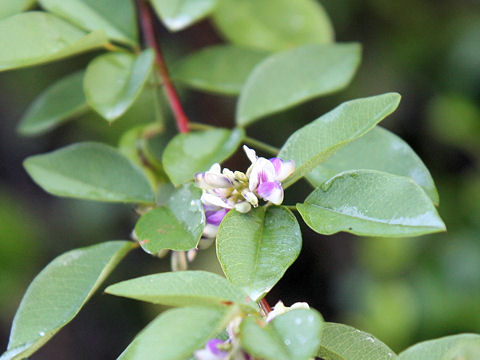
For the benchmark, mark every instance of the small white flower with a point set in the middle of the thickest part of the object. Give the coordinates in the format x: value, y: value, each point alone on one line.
x: 280, y: 309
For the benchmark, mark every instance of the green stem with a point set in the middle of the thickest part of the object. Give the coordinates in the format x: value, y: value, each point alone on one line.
x: 199, y: 126
x: 262, y: 146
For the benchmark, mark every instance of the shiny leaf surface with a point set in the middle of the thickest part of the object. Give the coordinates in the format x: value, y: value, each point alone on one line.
x: 116, y: 17
x: 177, y: 333
x: 57, y: 104
x: 179, y: 14
x: 220, y: 69
x: 317, y: 141
x: 180, y: 288
x: 177, y: 226
x: 379, y: 150
x: 456, y: 347
x: 341, y: 342
x: 292, y: 77
x: 90, y: 171
x: 273, y: 24
x: 58, y: 293
x: 372, y: 203
x: 36, y: 37
x: 255, y: 249
x: 294, y: 335
x: 114, y: 81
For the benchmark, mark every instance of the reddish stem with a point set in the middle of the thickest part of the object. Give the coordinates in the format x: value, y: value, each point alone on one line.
x: 147, y: 21
x: 265, y: 306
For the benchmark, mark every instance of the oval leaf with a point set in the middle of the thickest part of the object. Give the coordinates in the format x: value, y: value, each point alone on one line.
x: 180, y: 288
x: 276, y: 84
x: 58, y: 103
x: 12, y: 7
x: 116, y: 17
x: 179, y: 14
x: 372, y: 203
x: 255, y: 249
x: 90, y: 171
x: 379, y: 150
x: 177, y: 333
x: 113, y: 81
x: 317, y: 141
x: 273, y: 24
x: 176, y: 226
x: 36, y: 37
x: 187, y: 154
x: 341, y: 342
x: 456, y: 347
x: 220, y: 69
x: 294, y: 335
x: 58, y: 293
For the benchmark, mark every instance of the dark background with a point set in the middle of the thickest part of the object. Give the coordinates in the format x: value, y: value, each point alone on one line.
x: 401, y: 290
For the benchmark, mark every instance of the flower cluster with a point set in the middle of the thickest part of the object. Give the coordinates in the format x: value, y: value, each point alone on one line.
x: 226, y: 190
x: 217, y: 349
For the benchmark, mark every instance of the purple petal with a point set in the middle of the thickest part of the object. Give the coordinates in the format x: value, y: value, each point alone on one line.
x: 271, y: 191
x: 212, y: 345
x: 262, y: 171
x: 215, y: 217
x: 283, y: 169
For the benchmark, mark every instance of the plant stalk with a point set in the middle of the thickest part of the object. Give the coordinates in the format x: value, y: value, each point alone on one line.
x: 147, y: 23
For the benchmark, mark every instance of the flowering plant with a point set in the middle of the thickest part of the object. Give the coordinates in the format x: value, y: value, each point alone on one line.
x: 186, y: 202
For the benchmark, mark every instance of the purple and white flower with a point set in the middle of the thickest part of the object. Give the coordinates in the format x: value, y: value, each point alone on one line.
x: 265, y: 176
x: 224, y: 190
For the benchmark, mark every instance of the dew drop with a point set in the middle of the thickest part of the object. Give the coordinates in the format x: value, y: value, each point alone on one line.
x: 371, y: 339
x: 287, y: 342
x: 41, y: 333
x: 298, y: 321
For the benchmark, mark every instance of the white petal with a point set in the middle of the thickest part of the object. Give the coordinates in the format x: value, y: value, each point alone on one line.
x: 217, y: 180
x: 210, y: 231
x: 215, y: 168
x: 210, y: 199
x: 250, y: 197
x: 243, y: 207
x: 262, y: 171
x: 251, y: 154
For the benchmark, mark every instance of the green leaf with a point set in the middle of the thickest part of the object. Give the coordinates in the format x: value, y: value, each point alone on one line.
x: 58, y: 103
x: 58, y: 293
x: 317, y: 141
x: 220, y: 69
x: 372, y: 203
x: 292, y: 77
x: 273, y: 24
x: 181, y: 288
x: 176, y: 226
x: 114, y: 81
x: 255, y: 249
x: 177, y: 333
x: 179, y: 14
x: 90, y: 171
x: 116, y: 17
x: 187, y: 154
x: 377, y: 150
x: 12, y: 7
x: 341, y: 342
x: 294, y: 335
x: 34, y: 38
x: 456, y: 347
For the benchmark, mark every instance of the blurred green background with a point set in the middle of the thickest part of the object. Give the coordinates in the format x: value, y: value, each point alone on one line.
x: 400, y: 290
